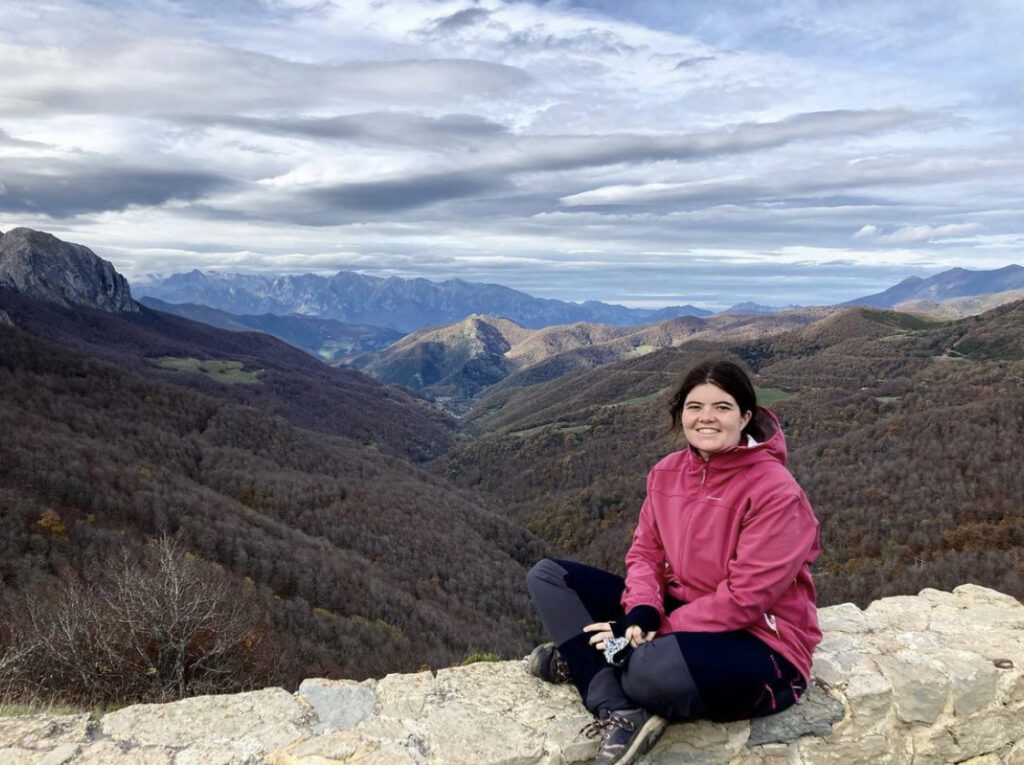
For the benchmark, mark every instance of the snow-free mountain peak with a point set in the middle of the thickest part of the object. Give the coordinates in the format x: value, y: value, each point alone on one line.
x: 44, y: 267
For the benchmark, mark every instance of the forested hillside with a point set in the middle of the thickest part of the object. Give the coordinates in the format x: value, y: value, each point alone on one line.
x: 340, y: 526
x: 904, y: 430
x: 300, y: 482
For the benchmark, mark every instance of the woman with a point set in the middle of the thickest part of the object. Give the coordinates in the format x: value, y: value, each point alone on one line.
x: 717, y: 610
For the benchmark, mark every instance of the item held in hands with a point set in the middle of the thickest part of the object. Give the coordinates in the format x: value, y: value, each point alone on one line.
x: 615, y: 651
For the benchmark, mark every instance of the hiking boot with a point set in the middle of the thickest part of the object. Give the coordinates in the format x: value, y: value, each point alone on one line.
x: 625, y: 735
x: 547, y: 663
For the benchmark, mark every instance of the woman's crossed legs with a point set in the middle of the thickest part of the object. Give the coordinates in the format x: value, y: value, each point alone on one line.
x: 723, y: 675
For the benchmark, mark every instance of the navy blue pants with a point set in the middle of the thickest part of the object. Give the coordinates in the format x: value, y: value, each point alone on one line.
x: 717, y: 675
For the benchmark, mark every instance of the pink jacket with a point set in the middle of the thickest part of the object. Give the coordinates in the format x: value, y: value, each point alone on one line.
x: 732, y: 537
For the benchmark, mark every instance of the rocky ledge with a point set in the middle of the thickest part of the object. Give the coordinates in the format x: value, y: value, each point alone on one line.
x: 936, y: 678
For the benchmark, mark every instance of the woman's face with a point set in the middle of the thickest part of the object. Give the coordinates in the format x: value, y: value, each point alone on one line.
x: 712, y: 420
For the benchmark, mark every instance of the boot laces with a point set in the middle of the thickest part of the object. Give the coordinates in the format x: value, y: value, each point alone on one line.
x: 603, y: 727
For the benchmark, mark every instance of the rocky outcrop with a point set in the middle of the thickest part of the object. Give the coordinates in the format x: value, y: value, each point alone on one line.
x: 936, y: 678
x: 42, y: 266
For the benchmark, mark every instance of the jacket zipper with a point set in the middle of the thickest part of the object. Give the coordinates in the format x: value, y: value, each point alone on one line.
x: 686, y: 527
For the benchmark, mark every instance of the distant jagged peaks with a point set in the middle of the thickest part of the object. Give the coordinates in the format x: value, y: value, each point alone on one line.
x: 954, y: 283
x: 42, y: 266
x: 405, y: 305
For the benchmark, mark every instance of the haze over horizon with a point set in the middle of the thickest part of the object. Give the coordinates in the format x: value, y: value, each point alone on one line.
x: 642, y: 154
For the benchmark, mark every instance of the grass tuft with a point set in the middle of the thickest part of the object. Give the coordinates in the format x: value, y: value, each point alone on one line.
x: 475, y: 658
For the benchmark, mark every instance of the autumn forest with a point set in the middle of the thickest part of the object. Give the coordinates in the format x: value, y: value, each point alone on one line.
x: 321, y: 523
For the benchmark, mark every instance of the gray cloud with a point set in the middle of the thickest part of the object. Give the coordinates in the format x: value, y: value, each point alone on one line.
x: 566, y: 152
x: 805, y: 183
x: 486, y: 190
x: 418, y: 79
x: 66, y: 189
x: 407, y: 193
x: 467, y: 17
x: 397, y: 128
x: 550, y: 153
x: 693, y: 61
x: 173, y: 77
x: 6, y: 139
x: 589, y: 41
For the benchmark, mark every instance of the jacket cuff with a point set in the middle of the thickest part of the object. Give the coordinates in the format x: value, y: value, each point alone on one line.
x: 645, y: 617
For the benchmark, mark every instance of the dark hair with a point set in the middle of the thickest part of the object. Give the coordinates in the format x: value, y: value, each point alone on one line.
x: 723, y: 374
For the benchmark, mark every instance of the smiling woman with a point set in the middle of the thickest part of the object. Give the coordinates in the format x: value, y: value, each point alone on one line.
x: 712, y: 419
x: 716, y: 616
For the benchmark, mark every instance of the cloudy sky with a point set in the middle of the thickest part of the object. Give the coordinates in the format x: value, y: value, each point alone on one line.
x: 645, y: 153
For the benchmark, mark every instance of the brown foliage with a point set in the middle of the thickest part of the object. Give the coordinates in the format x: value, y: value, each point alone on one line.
x: 909, y: 452
x: 163, y: 627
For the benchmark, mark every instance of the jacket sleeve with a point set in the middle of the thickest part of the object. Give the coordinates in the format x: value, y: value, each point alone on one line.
x: 778, y: 536
x: 644, y: 596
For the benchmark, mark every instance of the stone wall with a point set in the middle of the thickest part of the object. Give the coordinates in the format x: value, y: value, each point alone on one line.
x: 935, y: 678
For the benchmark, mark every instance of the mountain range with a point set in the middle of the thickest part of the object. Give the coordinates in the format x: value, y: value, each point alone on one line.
x: 406, y: 305
x: 399, y: 304
x: 954, y: 283
x: 458, y: 360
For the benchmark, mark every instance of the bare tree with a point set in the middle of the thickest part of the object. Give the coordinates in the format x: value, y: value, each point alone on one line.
x: 164, y: 626
x: 182, y: 623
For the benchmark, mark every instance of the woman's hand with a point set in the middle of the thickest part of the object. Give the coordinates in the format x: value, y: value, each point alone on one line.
x: 637, y: 636
x: 601, y: 631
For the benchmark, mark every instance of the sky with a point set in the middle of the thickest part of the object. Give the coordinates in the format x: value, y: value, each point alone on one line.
x: 646, y: 153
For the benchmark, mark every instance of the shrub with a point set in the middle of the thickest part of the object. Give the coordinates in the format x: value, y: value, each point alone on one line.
x: 164, y: 627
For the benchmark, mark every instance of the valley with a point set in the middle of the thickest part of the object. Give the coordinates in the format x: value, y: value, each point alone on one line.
x: 368, y: 531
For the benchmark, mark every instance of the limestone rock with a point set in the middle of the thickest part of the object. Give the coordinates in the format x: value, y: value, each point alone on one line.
x: 338, y: 704
x: 869, y: 695
x: 920, y: 688
x: 701, y: 741
x: 43, y: 731
x: 883, y: 748
x: 815, y: 715
x: 235, y: 728
x: 932, y: 680
x: 845, y: 617
x: 111, y: 753
x: 975, y: 680
x: 42, y: 266
x: 973, y: 593
x: 899, y: 614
